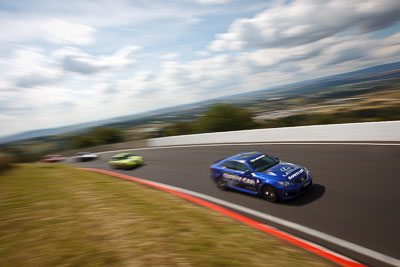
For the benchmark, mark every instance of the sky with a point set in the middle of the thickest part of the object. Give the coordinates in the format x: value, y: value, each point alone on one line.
x: 69, y: 62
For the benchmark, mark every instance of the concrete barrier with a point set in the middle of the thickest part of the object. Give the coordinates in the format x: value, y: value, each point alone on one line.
x: 366, y: 131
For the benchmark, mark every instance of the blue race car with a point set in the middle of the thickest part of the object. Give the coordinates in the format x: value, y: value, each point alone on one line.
x: 258, y: 173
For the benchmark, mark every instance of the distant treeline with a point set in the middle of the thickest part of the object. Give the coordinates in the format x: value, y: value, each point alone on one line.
x: 33, y: 150
x: 227, y: 117
x: 219, y: 118
x: 97, y: 137
x: 351, y: 116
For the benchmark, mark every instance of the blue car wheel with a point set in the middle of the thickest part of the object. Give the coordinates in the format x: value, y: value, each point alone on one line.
x: 269, y: 193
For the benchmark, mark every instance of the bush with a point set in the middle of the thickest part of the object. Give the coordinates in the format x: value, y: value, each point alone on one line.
x: 5, y: 161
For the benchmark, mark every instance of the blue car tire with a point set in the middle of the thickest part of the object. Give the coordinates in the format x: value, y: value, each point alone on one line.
x: 269, y: 193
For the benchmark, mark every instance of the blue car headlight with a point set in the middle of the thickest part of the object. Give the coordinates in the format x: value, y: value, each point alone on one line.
x: 285, y: 183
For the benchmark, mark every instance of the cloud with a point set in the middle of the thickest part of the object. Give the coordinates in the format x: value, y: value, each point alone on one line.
x: 193, y: 80
x: 32, y: 80
x: 203, y: 53
x: 28, y: 27
x: 171, y: 56
x: 87, y: 63
x: 61, y: 31
x: 347, y: 54
x: 81, y: 65
x: 264, y: 59
x: 75, y: 60
x: 301, y: 21
x: 388, y: 47
x: 230, y: 73
x: 16, y: 28
x: 143, y: 84
x: 213, y: 1
x: 194, y: 20
x: 28, y: 67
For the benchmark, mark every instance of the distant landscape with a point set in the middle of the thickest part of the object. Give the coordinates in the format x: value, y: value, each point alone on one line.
x: 371, y: 94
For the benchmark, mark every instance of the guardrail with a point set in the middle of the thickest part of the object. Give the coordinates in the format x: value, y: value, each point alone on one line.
x: 366, y: 131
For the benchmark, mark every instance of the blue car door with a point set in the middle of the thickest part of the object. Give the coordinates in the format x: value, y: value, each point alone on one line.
x: 248, y: 181
x: 232, y: 176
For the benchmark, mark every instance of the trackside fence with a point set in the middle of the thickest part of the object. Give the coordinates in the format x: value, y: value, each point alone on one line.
x: 388, y: 131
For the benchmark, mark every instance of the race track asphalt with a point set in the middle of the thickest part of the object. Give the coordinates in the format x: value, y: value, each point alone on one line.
x: 355, y: 194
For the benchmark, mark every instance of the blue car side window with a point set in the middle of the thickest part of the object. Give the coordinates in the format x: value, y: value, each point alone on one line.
x: 229, y: 165
x: 241, y: 167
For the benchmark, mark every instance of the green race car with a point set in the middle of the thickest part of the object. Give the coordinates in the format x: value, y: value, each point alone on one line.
x: 125, y: 161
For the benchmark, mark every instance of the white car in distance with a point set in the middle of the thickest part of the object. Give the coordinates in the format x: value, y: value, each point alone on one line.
x: 85, y: 156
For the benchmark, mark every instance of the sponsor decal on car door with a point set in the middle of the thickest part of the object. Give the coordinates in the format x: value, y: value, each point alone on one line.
x: 232, y: 178
x: 235, y: 174
x: 248, y: 181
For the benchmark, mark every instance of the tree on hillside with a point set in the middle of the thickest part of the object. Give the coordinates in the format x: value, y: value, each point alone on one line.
x: 83, y: 141
x: 107, y: 135
x: 99, y: 136
x: 225, y: 117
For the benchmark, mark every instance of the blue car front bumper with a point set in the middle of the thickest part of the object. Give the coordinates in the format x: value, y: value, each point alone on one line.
x: 296, y: 190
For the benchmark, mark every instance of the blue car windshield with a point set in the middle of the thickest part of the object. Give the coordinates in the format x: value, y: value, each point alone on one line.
x: 263, y: 163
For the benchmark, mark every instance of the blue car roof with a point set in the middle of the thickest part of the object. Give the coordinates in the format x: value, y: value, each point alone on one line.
x: 245, y: 156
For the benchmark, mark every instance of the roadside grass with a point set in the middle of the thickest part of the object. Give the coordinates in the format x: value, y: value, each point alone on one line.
x: 56, y: 215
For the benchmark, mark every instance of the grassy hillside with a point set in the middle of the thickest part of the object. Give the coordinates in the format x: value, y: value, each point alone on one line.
x: 55, y: 215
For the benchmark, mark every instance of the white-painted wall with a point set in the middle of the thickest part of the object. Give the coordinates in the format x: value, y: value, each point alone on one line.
x: 367, y: 131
